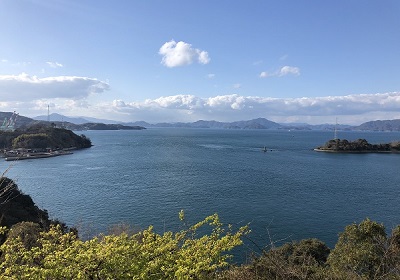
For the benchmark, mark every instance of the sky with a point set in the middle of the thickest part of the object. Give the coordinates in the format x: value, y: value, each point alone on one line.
x: 182, y: 61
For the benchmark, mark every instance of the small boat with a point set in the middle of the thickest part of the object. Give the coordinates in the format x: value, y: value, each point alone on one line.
x: 265, y: 149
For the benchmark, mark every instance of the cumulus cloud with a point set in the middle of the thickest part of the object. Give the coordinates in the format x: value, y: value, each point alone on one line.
x: 24, y: 87
x: 54, y: 64
x: 180, y: 54
x: 283, y: 71
x: 349, y: 108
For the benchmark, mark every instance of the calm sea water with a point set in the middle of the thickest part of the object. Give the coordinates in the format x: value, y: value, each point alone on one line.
x: 146, y: 177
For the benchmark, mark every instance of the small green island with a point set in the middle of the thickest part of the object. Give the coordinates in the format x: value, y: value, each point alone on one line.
x: 358, y: 146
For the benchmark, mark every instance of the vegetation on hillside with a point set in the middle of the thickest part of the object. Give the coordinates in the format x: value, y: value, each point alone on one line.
x: 43, y: 136
x: 363, y: 251
x: 360, y: 145
x: 29, y: 252
x: 17, y: 207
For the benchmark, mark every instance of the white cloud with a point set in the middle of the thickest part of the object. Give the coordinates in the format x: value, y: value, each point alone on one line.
x: 237, y: 86
x: 24, y: 87
x: 118, y: 103
x: 349, y: 109
x: 211, y: 76
x: 203, y: 57
x: 54, y: 64
x: 180, y: 54
x: 283, y: 71
x: 286, y: 70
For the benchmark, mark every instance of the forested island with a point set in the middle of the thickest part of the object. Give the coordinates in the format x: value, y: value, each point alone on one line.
x: 34, y: 247
x: 358, y: 146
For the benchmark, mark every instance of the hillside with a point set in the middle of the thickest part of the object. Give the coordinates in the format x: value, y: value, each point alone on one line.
x: 40, y: 136
x: 17, y: 207
x: 67, y: 123
x: 99, y: 126
x: 384, y: 125
x: 21, y: 120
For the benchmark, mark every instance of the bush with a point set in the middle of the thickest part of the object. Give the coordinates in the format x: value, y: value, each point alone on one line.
x: 27, y: 232
x: 364, y: 250
x: 295, y: 260
x: 143, y: 255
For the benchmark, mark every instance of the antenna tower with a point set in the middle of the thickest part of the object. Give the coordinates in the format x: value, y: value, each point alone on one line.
x: 335, y: 133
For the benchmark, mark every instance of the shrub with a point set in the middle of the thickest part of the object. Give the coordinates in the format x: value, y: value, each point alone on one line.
x: 143, y: 255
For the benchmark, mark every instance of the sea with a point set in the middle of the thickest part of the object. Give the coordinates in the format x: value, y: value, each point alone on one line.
x: 288, y: 193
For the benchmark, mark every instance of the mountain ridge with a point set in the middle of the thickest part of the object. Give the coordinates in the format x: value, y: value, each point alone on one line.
x: 84, y: 123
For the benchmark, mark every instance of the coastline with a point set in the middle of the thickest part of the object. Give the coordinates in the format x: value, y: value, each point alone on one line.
x: 37, y: 155
x: 356, y: 152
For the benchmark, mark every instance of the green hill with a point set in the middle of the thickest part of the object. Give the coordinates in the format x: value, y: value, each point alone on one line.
x: 42, y: 136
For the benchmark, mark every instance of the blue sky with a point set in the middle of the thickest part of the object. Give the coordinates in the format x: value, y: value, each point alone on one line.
x: 287, y: 61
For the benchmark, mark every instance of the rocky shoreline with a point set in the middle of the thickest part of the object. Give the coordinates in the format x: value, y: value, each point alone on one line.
x: 358, y: 146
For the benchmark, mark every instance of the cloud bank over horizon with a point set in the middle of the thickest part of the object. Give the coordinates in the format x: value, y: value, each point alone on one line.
x: 351, y: 108
x: 24, y: 87
x: 73, y: 96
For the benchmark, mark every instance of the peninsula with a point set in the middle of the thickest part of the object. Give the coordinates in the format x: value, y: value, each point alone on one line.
x: 40, y: 141
x: 358, y: 146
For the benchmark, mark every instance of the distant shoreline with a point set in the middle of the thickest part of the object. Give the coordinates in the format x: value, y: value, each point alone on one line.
x: 355, y: 152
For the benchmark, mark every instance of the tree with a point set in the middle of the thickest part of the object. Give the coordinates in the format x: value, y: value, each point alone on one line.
x: 294, y: 260
x: 361, y: 251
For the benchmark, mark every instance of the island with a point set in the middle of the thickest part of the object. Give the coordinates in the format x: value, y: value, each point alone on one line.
x: 358, y: 146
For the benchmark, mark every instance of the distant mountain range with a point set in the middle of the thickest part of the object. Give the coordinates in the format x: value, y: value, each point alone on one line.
x: 86, y: 123
x: 75, y: 120
x: 259, y: 123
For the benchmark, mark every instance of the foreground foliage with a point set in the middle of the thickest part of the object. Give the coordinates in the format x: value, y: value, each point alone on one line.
x: 144, y: 255
x: 363, y: 251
